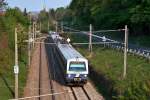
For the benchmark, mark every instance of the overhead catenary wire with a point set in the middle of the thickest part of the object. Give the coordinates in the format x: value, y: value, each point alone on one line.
x: 110, y: 30
x: 98, y: 31
x: 76, y: 26
x: 93, y: 43
x: 29, y: 88
x: 93, y: 35
x: 77, y: 43
x: 44, y: 95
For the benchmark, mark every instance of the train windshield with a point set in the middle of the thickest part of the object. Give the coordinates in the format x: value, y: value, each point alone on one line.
x: 77, y: 66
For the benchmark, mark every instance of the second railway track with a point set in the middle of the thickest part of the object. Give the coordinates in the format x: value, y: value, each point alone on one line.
x: 45, y: 86
x: 68, y: 92
x: 46, y: 78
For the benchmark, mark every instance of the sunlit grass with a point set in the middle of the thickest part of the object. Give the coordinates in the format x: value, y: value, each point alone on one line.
x: 110, y: 63
x: 7, y: 78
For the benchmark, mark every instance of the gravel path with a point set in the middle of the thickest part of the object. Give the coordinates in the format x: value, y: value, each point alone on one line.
x: 38, y: 82
x: 32, y: 85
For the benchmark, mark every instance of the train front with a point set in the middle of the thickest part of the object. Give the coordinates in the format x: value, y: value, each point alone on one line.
x: 77, y: 71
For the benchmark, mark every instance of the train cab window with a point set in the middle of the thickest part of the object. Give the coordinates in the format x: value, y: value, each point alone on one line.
x: 77, y: 66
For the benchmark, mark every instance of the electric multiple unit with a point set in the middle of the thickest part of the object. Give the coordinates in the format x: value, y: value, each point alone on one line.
x: 74, y: 64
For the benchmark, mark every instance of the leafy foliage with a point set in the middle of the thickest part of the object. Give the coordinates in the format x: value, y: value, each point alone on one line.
x: 2, y: 4
x: 12, y: 18
x: 43, y: 18
x: 105, y: 14
x: 110, y: 63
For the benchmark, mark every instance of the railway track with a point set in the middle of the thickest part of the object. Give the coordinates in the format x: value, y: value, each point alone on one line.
x: 45, y: 85
x: 46, y: 79
x: 38, y: 86
x: 56, y: 79
x: 68, y: 92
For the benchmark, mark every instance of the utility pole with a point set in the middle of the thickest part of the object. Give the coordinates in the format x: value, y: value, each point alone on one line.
x: 40, y: 26
x: 62, y: 28
x: 48, y: 26
x: 48, y: 21
x: 33, y: 33
x: 35, y: 25
x: 29, y: 46
x: 16, y: 67
x: 90, y: 38
x: 56, y: 26
x: 125, y: 51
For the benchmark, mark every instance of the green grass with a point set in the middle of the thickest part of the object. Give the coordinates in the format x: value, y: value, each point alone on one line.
x: 109, y: 62
x: 7, y: 26
x: 23, y: 74
x: 5, y: 93
x: 7, y: 77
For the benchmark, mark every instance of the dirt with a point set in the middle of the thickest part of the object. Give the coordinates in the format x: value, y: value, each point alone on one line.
x: 32, y: 85
x: 38, y: 83
x: 4, y: 41
x: 44, y: 76
x: 105, y: 86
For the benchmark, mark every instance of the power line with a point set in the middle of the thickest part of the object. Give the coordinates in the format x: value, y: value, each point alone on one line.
x: 109, y: 30
x: 78, y: 43
x: 81, y: 43
x: 44, y: 95
x: 99, y: 31
x: 86, y: 33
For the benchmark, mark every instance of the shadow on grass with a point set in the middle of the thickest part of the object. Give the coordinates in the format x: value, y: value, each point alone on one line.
x: 7, y: 85
x: 103, y: 85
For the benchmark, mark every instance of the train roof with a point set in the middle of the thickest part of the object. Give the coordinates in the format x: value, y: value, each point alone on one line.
x: 69, y: 52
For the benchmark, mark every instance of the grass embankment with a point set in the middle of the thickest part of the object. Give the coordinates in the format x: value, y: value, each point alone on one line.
x: 109, y: 62
x: 12, y: 18
x: 7, y: 75
x: 7, y: 60
x: 108, y: 65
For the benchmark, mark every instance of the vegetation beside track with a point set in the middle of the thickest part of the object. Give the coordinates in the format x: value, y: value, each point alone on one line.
x: 8, y: 21
x: 108, y: 64
x: 141, y: 41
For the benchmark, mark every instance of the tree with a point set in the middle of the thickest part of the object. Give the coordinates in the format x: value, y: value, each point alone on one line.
x: 2, y: 5
x: 43, y: 18
x: 59, y: 13
x: 108, y: 14
x: 25, y: 12
x: 51, y: 14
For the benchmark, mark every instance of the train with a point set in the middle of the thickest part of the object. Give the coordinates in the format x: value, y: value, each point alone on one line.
x: 75, y: 66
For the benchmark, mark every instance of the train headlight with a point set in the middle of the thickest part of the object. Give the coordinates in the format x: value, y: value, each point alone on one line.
x: 69, y: 75
x: 85, y: 75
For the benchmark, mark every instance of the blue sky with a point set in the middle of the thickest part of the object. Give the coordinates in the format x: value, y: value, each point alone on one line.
x: 37, y: 5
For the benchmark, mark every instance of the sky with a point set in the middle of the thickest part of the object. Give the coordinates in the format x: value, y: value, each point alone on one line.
x: 37, y: 5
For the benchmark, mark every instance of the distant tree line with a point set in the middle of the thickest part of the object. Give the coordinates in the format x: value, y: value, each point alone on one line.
x: 108, y: 14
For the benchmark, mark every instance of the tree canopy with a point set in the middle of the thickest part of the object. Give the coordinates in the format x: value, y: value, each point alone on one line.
x: 108, y: 14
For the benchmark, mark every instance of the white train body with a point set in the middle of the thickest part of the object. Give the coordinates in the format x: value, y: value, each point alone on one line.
x: 75, y: 65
